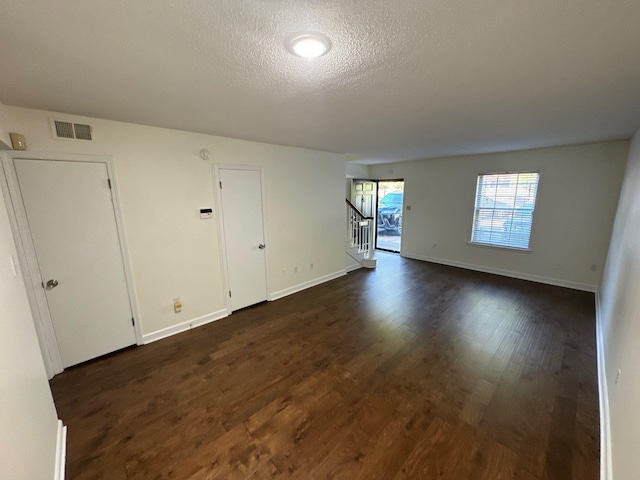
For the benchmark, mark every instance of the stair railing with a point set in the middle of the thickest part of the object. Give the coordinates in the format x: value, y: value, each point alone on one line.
x: 360, y: 230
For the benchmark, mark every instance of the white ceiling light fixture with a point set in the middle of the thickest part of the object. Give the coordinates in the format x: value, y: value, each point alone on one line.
x: 308, y: 44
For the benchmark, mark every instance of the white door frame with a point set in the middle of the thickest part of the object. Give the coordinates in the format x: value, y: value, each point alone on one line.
x: 221, y: 240
x: 27, y: 253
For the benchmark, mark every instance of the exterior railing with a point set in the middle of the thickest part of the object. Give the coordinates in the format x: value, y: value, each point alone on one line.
x: 360, y: 230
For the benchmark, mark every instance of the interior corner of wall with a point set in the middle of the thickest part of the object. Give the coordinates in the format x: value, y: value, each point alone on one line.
x: 5, y: 142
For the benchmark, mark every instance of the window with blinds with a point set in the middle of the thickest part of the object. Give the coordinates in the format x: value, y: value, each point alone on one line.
x: 503, y: 212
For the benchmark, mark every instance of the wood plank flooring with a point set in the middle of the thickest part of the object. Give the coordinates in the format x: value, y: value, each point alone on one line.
x: 409, y: 371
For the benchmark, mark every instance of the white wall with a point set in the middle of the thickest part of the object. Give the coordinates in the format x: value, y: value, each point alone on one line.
x: 577, y: 198
x: 163, y: 182
x: 357, y: 171
x: 5, y: 141
x: 28, y: 419
x: 619, y: 326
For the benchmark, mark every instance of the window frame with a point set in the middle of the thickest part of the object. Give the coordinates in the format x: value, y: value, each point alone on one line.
x: 502, y: 246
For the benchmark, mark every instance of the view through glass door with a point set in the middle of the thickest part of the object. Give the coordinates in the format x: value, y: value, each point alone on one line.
x: 389, y: 217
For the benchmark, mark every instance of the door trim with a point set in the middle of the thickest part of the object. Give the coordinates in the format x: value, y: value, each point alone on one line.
x: 27, y: 255
x: 221, y: 241
x: 399, y: 252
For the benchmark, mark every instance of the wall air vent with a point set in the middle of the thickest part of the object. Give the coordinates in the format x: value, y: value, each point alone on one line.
x: 71, y: 131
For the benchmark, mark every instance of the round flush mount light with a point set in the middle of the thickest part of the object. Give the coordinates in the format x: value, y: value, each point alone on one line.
x: 308, y: 45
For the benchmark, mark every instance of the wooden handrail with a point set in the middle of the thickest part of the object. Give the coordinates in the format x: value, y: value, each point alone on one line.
x: 362, y: 215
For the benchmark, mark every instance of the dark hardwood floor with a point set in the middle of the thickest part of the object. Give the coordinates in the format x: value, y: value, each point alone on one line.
x: 409, y: 371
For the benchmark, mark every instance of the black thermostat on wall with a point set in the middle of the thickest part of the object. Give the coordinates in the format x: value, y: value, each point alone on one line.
x: 206, y: 213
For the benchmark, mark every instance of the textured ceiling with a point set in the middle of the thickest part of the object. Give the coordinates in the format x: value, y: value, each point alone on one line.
x: 406, y: 79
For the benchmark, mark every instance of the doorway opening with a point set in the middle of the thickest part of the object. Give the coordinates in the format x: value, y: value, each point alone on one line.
x: 389, y: 215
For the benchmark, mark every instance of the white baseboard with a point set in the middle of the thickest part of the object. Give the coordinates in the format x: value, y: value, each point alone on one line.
x: 506, y: 273
x: 305, y: 285
x: 184, y: 326
x: 606, y: 472
x: 352, y: 268
x: 212, y: 317
x: 61, y: 452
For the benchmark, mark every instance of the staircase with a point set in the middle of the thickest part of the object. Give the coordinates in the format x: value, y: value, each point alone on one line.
x: 360, y: 237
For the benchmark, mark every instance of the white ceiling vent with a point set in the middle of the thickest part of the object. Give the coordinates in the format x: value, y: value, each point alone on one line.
x: 71, y: 131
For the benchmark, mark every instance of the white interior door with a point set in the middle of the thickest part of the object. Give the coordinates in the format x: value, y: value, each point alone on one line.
x: 72, y: 224
x: 243, y: 226
x: 364, y: 196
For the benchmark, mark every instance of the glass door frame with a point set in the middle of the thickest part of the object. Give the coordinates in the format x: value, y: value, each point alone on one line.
x: 389, y: 215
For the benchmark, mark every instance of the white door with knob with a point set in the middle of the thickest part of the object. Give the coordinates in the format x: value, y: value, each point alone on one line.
x: 364, y: 195
x: 72, y: 225
x: 244, y: 238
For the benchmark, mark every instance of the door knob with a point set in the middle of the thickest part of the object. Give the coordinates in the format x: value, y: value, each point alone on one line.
x: 261, y: 246
x: 51, y: 284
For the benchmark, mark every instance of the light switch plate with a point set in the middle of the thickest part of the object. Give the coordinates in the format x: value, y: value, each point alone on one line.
x: 17, y: 141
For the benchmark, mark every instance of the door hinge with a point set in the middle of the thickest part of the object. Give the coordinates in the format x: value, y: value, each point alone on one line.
x: 133, y: 322
x: 220, y: 185
x: 42, y: 283
x: 109, y: 183
x: 229, y: 292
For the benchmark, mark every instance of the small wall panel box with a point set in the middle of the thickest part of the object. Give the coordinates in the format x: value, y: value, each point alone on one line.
x: 17, y: 141
x: 206, y: 213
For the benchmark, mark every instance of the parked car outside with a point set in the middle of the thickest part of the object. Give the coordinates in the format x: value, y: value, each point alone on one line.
x: 390, y: 212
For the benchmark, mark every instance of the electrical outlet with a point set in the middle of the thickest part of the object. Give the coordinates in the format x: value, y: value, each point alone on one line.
x: 594, y: 267
x: 435, y: 245
x: 311, y: 266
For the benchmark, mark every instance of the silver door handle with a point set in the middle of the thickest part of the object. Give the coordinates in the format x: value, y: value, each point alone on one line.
x: 261, y: 246
x: 51, y: 284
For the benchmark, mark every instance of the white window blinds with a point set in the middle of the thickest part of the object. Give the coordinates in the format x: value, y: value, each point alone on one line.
x: 504, y: 209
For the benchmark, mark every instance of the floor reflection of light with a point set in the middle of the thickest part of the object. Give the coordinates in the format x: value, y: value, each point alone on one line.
x: 474, y: 334
x: 481, y: 339
x: 385, y: 304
